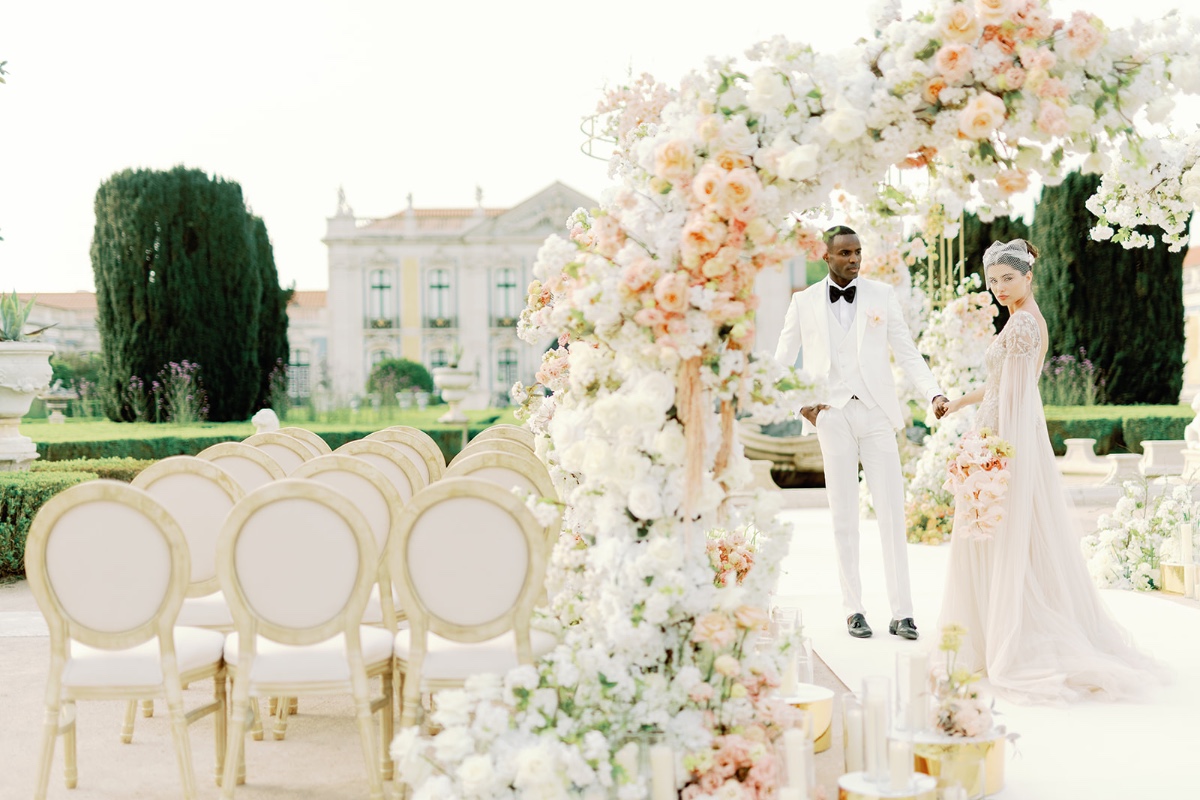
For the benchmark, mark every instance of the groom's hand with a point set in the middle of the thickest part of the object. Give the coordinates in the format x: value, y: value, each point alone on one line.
x: 810, y: 412
x: 941, y: 406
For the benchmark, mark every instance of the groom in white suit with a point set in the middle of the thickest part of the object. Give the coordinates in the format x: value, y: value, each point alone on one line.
x: 844, y: 326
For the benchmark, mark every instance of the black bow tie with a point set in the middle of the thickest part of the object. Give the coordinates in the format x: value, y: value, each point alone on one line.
x: 836, y: 294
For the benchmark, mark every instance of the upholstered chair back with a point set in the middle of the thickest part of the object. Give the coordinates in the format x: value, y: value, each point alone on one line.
x: 492, y: 446
x: 199, y: 495
x: 107, y: 564
x: 296, y: 560
x: 506, y: 432
x: 365, y: 485
x: 417, y: 445
x: 249, y: 466
x: 315, y: 443
x: 289, y: 451
x: 399, y: 468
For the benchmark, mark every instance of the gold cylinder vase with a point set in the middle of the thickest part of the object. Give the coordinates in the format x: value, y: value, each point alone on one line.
x: 976, y: 764
x: 818, y: 702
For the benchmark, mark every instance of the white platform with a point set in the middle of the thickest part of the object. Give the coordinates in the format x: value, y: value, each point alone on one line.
x: 1094, y: 750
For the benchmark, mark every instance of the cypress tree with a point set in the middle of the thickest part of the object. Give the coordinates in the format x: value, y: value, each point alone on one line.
x: 1123, y: 307
x: 176, y: 277
x: 273, y: 350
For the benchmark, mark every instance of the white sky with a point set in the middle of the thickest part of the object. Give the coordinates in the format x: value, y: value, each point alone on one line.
x: 294, y: 99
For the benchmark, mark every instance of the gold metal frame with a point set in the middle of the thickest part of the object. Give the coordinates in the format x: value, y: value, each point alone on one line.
x: 60, y: 699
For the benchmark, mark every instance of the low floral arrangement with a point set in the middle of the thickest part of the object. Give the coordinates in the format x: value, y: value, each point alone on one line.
x: 1127, y: 547
x: 978, y: 479
x: 958, y: 709
x: 731, y: 554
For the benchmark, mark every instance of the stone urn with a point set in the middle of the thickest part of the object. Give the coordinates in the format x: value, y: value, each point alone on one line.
x: 24, y: 374
x: 455, y: 385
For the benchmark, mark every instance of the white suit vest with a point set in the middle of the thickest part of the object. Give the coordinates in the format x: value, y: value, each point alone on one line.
x: 845, y: 373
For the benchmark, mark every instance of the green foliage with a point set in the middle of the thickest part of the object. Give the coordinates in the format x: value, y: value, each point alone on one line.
x: 21, y: 495
x: 273, y: 351
x: 977, y: 237
x: 1144, y: 429
x: 115, y: 469
x: 393, y: 375
x: 72, y: 368
x: 1069, y: 380
x: 13, y: 315
x: 1116, y: 429
x: 1124, y: 306
x: 180, y: 272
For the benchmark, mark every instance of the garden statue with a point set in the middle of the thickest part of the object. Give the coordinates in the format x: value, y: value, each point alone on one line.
x: 265, y: 421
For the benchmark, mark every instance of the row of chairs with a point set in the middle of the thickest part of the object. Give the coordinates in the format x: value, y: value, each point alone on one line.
x: 205, y: 569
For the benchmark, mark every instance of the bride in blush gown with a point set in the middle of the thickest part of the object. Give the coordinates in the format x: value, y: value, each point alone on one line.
x: 1035, y: 623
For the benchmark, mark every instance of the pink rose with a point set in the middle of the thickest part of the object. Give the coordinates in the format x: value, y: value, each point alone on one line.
x: 674, y: 160
x: 982, y: 116
x: 1013, y: 78
x: 609, y: 236
x: 954, y: 62
x: 701, y: 237
x: 639, y: 274
x: 1052, y: 120
x: 737, y: 196
x: 1039, y: 58
x: 1052, y: 88
x: 701, y: 693
x: 1012, y: 181
x: 1085, y: 35
x: 715, y: 629
x: 671, y: 292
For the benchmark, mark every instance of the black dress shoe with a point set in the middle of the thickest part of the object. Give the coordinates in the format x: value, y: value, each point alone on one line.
x: 904, y: 628
x: 857, y: 625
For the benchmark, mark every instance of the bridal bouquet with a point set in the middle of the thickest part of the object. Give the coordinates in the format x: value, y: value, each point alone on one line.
x: 978, y: 479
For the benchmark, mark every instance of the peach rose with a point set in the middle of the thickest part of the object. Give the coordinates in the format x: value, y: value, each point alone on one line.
x: 724, y: 311
x: 738, y: 193
x: 959, y: 24
x: 1085, y: 35
x: 650, y: 318
x: 994, y: 12
x: 727, y: 665
x: 1052, y: 120
x: 1052, y: 87
x: 701, y: 693
x: 700, y: 238
x: 671, y: 292
x: 954, y: 62
x: 982, y: 116
x: 752, y: 618
x: 639, y: 274
x: 1037, y: 58
x: 707, y: 183
x: 674, y: 160
x: 932, y: 89
x: 729, y: 161
x: 720, y: 263
x: 609, y: 235
x: 1012, y: 181
x: 1012, y: 78
x: 714, y: 629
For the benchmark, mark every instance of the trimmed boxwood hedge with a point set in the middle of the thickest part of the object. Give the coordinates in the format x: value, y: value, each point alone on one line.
x: 1116, y: 429
x: 21, y: 495
x: 116, y: 469
x: 153, y: 449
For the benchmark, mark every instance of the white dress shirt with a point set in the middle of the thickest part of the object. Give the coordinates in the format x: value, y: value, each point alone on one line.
x: 842, y: 310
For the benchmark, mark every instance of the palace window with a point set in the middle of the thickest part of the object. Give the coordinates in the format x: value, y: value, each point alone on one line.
x: 299, y: 374
x: 437, y: 358
x: 506, y: 367
x: 440, y: 305
x: 380, y: 304
x: 377, y: 356
x: 506, y: 308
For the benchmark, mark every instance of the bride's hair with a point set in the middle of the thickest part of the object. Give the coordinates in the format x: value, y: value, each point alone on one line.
x: 1018, y: 254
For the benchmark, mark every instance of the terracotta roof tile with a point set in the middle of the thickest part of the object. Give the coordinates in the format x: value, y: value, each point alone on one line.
x: 66, y: 301
x: 309, y: 299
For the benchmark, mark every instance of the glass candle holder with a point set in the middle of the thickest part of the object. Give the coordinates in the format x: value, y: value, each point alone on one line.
x: 876, y: 703
x: 852, y: 732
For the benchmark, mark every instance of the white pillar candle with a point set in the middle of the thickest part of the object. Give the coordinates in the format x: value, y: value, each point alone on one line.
x: 662, y: 773
x: 797, y: 752
x: 914, y: 669
x: 790, y: 793
x: 1185, y: 543
x: 854, y: 739
x: 876, y: 693
x: 791, y: 674
x: 900, y: 763
x: 955, y: 792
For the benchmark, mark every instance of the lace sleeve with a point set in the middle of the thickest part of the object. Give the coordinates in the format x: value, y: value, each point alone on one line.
x: 1022, y: 336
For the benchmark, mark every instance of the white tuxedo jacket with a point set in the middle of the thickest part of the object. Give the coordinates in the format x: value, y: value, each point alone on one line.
x: 878, y: 325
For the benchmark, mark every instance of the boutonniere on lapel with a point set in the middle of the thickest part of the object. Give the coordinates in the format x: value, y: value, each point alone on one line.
x: 874, y: 317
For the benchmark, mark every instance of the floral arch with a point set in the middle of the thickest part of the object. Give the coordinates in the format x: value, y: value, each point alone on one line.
x: 651, y: 299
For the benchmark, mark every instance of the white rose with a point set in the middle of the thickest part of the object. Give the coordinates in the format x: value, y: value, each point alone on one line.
x: 453, y: 745
x: 1095, y: 164
x: 476, y: 774
x: 767, y: 92
x: 535, y: 767
x: 438, y: 787
x: 1080, y: 119
x: 800, y: 163
x: 644, y: 502
x: 1185, y: 73
x: 1160, y: 108
x: 844, y: 124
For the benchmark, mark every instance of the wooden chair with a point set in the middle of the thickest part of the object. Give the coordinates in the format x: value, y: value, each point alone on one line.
x: 523, y: 471
x: 297, y: 560
x: 315, y: 443
x: 109, y: 568
x: 289, y: 451
x: 399, y: 467
x: 469, y: 562
x: 420, y: 446
x: 506, y: 432
x: 249, y: 466
x: 492, y: 446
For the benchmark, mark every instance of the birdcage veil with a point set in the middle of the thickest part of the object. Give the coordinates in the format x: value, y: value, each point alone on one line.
x: 1013, y: 254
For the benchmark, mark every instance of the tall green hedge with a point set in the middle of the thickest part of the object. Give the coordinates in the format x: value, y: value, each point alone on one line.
x: 180, y: 265
x: 21, y: 495
x: 1124, y: 307
x: 115, y: 469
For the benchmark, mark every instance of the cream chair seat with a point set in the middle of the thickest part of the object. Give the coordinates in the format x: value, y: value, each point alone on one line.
x: 469, y: 561
x: 316, y: 444
x: 297, y: 560
x: 420, y: 446
x: 288, y: 451
x: 249, y: 466
x: 109, y: 567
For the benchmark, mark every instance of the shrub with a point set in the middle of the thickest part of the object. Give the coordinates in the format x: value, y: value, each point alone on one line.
x: 116, y: 469
x: 397, y: 375
x: 1069, y: 380
x: 21, y: 495
x: 1140, y: 429
x: 145, y: 449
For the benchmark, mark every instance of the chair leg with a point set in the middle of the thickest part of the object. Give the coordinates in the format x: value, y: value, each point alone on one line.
x: 148, y: 708
x: 179, y: 732
x: 256, y: 723
x: 281, y: 719
x: 293, y: 706
x: 220, y: 723
x: 71, y: 772
x: 130, y: 715
x: 273, y: 706
x: 410, y: 705
x: 386, y: 728
x: 239, y: 710
x: 49, y: 735
x: 362, y: 709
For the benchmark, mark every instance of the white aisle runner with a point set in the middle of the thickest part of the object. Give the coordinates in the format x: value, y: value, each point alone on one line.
x: 1100, y: 751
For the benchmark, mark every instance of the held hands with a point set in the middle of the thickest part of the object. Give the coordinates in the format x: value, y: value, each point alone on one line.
x: 942, y: 406
x: 810, y: 412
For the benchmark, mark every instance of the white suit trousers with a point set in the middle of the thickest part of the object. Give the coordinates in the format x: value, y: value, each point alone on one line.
x: 849, y: 435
